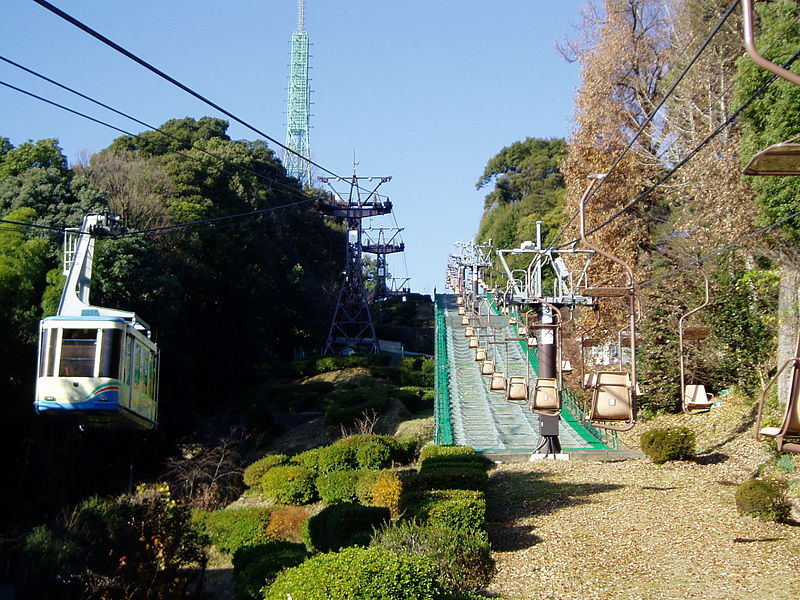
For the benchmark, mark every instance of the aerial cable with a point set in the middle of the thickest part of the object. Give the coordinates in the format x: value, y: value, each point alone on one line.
x: 222, y: 218
x: 271, y: 181
x: 652, y: 115
x: 175, y: 82
x: 725, y: 248
x: 690, y: 155
x: 32, y: 225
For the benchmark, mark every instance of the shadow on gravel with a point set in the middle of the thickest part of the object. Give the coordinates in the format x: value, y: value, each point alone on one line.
x: 711, y: 459
x: 514, y: 537
x: 514, y: 495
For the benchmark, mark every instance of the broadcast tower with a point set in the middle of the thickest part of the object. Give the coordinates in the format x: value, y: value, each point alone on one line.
x: 298, y: 108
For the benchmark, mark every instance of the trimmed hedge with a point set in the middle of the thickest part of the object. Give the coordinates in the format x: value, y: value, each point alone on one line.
x: 341, y: 525
x: 764, y: 499
x: 673, y: 443
x: 337, y: 486
x: 433, y: 450
x: 474, y: 461
x: 463, y: 559
x: 401, y: 450
x: 289, y: 484
x: 336, y: 457
x: 365, y: 573
x: 255, y: 567
x: 253, y: 472
x: 462, y: 510
x: 449, y: 478
x: 230, y: 529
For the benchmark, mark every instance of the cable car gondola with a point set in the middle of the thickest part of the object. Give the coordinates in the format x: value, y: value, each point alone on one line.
x: 97, y: 365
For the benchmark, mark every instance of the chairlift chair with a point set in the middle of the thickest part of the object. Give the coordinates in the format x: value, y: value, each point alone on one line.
x: 787, y: 434
x: 694, y: 397
x: 546, y: 397
x: 613, y: 397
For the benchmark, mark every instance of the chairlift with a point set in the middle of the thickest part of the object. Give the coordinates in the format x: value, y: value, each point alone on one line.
x: 694, y: 397
x: 787, y: 434
x: 546, y: 393
x: 613, y: 393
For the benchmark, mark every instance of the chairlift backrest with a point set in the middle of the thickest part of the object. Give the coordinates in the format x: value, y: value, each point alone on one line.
x: 546, y: 397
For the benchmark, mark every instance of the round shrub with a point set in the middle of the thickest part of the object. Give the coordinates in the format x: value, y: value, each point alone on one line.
x: 398, y: 450
x: 673, y: 443
x: 336, y: 457
x: 463, y: 560
x: 289, y: 484
x: 257, y: 566
x: 407, y: 450
x: 342, y: 525
x: 463, y: 510
x: 308, y: 459
x: 337, y: 486
x: 373, y: 573
x: 386, y: 491
x: 375, y: 454
x: 232, y: 528
x: 284, y: 523
x: 254, y: 471
x: 764, y: 499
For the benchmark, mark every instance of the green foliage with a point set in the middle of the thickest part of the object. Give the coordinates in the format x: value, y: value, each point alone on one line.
x: 673, y: 443
x: 296, y: 397
x: 42, y: 153
x: 232, y: 528
x: 135, y: 546
x: 452, y: 461
x: 337, y: 486
x: 433, y: 450
x: 764, y: 499
x: 288, y: 484
x: 341, y: 525
x: 308, y: 460
x: 252, y: 473
x: 463, y: 559
x: 401, y: 451
x: 336, y: 457
x: 256, y: 566
x: 368, y: 573
x: 773, y: 116
x: 456, y: 509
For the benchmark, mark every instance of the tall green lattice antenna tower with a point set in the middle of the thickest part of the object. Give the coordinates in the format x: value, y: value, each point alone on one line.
x: 298, y: 109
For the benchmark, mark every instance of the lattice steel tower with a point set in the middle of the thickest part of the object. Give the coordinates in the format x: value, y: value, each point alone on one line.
x: 351, y: 328
x: 299, y: 104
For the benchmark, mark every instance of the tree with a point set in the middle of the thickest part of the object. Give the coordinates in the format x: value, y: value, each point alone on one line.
x: 43, y: 153
x: 773, y: 117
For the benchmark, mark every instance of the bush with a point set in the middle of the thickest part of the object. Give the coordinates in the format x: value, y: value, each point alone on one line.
x: 308, y: 459
x: 469, y: 461
x: 135, y: 546
x: 463, y: 560
x: 232, y: 528
x: 450, y: 478
x: 342, y: 525
x: 764, y: 499
x: 407, y: 452
x: 462, y: 510
x: 432, y: 450
x: 386, y: 491
x: 290, y: 484
x: 368, y: 573
x: 336, y: 457
x: 254, y: 471
x: 255, y: 567
x: 673, y: 443
x: 398, y: 449
x: 338, y: 486
x: 375, y: 454
x: 285, y: 522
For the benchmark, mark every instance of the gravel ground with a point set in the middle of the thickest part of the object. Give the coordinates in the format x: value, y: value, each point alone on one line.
x: 634, y: 530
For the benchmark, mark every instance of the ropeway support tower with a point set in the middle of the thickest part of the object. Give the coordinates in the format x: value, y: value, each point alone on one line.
x: 352, y: 328
x: 298, y: 110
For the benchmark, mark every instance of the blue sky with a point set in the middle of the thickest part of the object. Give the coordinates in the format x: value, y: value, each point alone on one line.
x: 426, y: 91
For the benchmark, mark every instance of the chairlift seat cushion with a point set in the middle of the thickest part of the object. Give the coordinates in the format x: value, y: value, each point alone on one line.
x: 487, y: 367
x: 498, y: 383
x: 695, y: 396
x: 480, y: 354
x: 770, y: 431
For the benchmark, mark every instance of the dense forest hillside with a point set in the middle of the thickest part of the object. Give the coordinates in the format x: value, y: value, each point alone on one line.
x: 226, y: 298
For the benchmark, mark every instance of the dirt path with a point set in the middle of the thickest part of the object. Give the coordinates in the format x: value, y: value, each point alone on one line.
x: 634, y: 530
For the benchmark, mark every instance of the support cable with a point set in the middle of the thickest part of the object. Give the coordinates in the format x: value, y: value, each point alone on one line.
x: 685, y: 159
x: 725, y: 248
x: 274, y: 182
x: 57, y: 11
